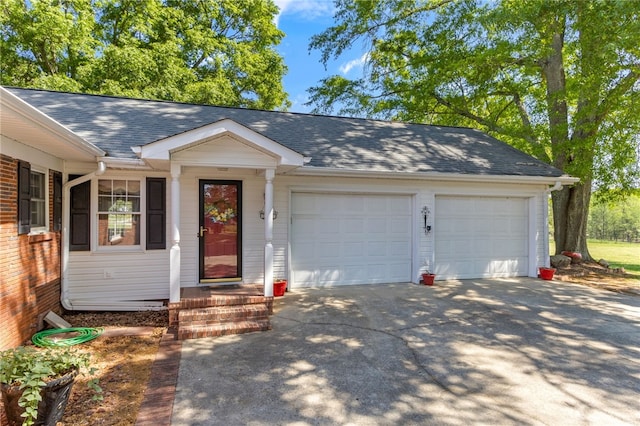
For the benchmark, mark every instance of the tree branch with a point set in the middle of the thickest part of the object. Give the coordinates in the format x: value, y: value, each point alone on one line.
x: 468, y: 114
x: 618, y: 90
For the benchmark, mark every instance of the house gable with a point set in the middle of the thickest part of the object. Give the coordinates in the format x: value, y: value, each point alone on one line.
x: 221, y: 144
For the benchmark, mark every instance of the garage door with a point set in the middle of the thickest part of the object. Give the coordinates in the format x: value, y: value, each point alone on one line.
x: 339, y: 239
x: 481, y: 237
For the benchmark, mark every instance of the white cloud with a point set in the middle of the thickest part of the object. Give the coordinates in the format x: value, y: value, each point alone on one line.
x: 355, y: 63
x: 305, y: 9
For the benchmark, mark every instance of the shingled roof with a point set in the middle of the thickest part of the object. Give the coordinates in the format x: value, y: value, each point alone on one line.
x: 117, y: 124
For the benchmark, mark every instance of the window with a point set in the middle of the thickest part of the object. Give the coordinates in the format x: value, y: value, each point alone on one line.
x: 118, y: 212
x: 38, y: 200
x: 33, y: 198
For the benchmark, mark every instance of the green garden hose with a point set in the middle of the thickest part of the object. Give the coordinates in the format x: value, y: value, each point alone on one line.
x: 84, y: 334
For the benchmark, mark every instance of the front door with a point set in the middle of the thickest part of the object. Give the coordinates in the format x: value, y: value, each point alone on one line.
x: 220, y: 230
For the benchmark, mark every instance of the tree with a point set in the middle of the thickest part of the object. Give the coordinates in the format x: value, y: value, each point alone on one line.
x: 214, y: 51
x: 558, y: 79
x: 615, y: 220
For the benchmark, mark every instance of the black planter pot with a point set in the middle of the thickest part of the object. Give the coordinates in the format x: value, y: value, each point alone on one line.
x: 50, y: 410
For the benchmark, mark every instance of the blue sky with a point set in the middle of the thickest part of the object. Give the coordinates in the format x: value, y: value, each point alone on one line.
x: 299, y: 20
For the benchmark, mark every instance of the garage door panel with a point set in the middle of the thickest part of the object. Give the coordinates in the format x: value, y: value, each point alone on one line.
x: 400, y: 226
x: 377, y: 204
x: 370, y: 242
x: 306, y: 226
x: 398, y: 272
x: 376, y: 249
x: 353, y: 225
x: 352, y: 249
x: 399, y: 205
x: 376, y: 225
x: 350, y: 205
x: 481, y: 237
x: 399, y: 249
x: 328, y: 250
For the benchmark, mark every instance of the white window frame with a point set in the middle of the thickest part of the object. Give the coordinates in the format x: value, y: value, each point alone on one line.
x: 95, y: 232
x: 39, y: 229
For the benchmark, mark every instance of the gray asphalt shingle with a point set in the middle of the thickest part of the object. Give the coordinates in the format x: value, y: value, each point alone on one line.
x: 117, y: 124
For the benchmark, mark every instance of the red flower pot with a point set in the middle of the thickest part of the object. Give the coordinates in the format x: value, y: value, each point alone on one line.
x: 428, y: 279
x: 546, y: 273
x: 279, y: 287
x: 574, y: 255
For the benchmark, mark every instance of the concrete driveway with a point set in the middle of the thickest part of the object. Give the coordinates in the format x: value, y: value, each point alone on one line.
x: 513, y: 351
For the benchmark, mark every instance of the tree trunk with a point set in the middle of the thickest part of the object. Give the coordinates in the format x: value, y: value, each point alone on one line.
x: 570, y: 214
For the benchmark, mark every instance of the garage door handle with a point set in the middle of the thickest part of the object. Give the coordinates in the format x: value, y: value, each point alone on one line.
x: 202, y: 231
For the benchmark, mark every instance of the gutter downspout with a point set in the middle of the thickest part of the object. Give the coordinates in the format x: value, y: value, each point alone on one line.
x: 556, y: 187
x: 66, y: 218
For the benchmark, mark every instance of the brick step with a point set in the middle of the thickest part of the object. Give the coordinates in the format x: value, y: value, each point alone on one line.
x: 214, y: 330
x: 218, y: 314
x: 222, y: 300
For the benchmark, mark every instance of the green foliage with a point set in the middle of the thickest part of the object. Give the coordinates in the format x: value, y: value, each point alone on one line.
x: 31, y: 369
x: 214, y: 51
x: 557, y: 79
x: 618, y: 221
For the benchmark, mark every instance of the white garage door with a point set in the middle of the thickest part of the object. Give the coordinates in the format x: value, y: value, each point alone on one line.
x: 481, y: 237
x: 339, y: 239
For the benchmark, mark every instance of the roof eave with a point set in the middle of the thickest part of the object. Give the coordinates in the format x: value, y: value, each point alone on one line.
x: 433, y: 176
x: 14, y: 103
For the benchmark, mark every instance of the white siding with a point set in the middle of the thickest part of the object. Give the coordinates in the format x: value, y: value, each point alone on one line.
x: 141, y: 275
x: 253, y: 238
x: 97, y: 277
x: 118, y: 276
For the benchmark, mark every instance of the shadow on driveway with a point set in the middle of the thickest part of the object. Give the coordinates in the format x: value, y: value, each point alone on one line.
x: 511, y: 351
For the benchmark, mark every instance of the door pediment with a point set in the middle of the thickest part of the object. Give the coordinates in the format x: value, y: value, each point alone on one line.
x: 225, y: 143
x: 225, y: 150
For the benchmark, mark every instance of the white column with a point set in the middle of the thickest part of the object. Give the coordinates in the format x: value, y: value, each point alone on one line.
x: 174, y: 256
x: 268, y: 232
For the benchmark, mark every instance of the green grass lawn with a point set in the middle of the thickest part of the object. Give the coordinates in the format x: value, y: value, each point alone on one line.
x: 618, y: 254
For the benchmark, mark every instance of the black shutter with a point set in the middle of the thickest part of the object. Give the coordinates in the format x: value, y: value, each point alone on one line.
x: 79, y: 219
x: 156, y: 213
x: 24, y: 197
x: 57, y: 201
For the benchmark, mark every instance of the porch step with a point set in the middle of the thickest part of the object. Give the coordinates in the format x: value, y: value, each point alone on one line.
x: 223, y: 329
x: 205, y: 301
x: 219, y: 314
x: 210, y: 313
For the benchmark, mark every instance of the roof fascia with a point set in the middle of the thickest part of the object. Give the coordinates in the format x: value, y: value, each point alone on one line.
x: 124, y: 163
x: 433, y: 176
x: 10, y: 101
x: 162, y: 149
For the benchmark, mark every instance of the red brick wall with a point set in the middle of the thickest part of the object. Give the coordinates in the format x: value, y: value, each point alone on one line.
x: 29, y: 266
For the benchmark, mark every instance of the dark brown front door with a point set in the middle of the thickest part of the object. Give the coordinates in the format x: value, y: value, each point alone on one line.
x: 220, y: 230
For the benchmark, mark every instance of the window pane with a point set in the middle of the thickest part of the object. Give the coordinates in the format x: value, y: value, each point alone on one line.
x: 120, y: 187
x: 104, y: 203
x: 133, y: 187
x: 118, y: 229
x: 37, y: 213
x: 120, y: 204
x: 119, y: 207
x: 38, y: 199
x: 37, y: 185
x: 104, y: 187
